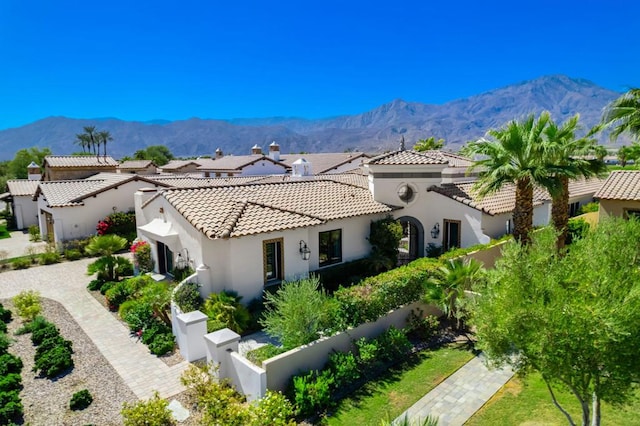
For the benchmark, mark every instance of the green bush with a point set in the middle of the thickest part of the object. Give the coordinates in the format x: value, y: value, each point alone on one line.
x: 153, y: 329
x: 384, y: 237
x: 188, y: 298
x: 27, y: 304
x: 274, y: 409
x: 154, y: 412
x: 49, y: 257
x: 421, y: 327
x: 312, y: 392
x: 138, y: 315
x: 80, y: 400
x: 124, y: 267
x: 345, y: 369
x: 226, y: 308
x: 39, y: 335
x: 53, y: 357
x: 344, y: 274
x: 162, y: 344
x: 264, y: 352
x: 215, y: 325
x: 78, y: 245
x: 589, y: 208
x: 106, y: 286
x: 5, y: 314
x: 578, y: 228
x: 4, y: 343
x: 392, y: 344
x: 9, y: 364
x: 10, y: 407
x: 95, y: 285
x: 72, y: 254
x: 21, y: 263
x: 3, y: 327
x: 10, y: 382
x: 34, y: 233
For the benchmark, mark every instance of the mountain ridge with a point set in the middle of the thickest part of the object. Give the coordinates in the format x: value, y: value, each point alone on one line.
x: 376, y: 130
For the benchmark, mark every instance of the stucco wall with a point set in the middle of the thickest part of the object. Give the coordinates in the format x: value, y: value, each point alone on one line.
x: 26, y: 211
x: 75, y: 173
x: 263, y: 167
x: 616, y: 208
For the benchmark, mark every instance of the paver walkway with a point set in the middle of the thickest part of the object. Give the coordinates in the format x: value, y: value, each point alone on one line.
x: 66, y: 283
x: 463, y: 393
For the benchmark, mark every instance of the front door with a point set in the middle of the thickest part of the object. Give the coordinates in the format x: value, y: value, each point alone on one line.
x: 451, y: 237
x: 165, y: 259
x: 48, y: 220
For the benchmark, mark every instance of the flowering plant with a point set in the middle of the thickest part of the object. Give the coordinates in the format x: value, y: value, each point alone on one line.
x: 142, y: 256
x: 103, y: 226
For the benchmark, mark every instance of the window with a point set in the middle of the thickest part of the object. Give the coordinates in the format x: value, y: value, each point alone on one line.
x: 574, y: 208
x: 451, y: 238
x: 273, y: 261
x: 330, y: 250
x: 631, y: 213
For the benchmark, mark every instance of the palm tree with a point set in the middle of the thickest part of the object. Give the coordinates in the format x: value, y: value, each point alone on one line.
x: 623, y: 115
x: 448, y: 286
x: 600, y: 152
x: 104, y: 136
x: 514, y: 156
x: 90, y: 132
x: 428, y: 144
x: 567, y: 159
x: 82, y: 139
x: 105, y: 246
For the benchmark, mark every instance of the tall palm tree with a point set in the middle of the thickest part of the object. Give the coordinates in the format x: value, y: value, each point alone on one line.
x: 513, y: 156
x: 82, y: 139
x: 567, y: 159
x: 429, y: 144
x: 623, y: 115
x: 90, y: 132
x: 104, y: 136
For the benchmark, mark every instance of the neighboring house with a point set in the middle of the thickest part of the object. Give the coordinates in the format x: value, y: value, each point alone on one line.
x: 329, y: 163
x: 139, y: 167
x: 69, y: 167
x: 23, y: 206
x: 619, y: 196
x: 180, y: 166
x: 71, y: 209
x: 255, y: 164
x: 247, y: 237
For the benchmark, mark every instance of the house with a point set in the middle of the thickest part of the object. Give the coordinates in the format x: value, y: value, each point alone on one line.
x: 329, y: 163
x: 619, y: 196
x: 71, y: 209
x: 247, y: 237
x: 180, y: 166
x: 24, y: 208
x: 255, y: 164
x: 69, y: 167
x: 139, y: 167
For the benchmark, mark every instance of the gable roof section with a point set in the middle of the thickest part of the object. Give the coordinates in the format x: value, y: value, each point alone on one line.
x: 136, y: 164
x: 325, y: 162
x: 66, y: 193
x: 234, y: 211
x: 179, y: 164
x: 410, y: 158
x: 191, y: 181
x: 235, y: 162
x: 22, y: 187
x: 504, y: 200
x: 79, y: 161
x: 621, y: 185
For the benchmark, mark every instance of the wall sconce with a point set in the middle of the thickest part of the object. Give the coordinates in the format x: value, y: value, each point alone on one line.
x: 435, y: 231
x: 182, y: 262
x: 304, y: 250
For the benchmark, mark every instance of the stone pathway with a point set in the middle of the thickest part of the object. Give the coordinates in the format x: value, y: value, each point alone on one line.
x: 66, y: 283
x: 19, y: 244
x: 463, y: 393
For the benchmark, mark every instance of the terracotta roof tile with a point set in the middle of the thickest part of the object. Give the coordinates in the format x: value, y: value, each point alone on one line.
x: 621, y: 185
x: 410, y: 157
x: 136, y: 164
x: 20, y: 187
x: 234, y: 162
x: 230, y: 211
x: 326, y: 162
x: 79, y: 161
x: 178, y: 164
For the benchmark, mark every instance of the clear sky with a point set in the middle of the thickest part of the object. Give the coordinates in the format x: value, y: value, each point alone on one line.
x: 143, y: 60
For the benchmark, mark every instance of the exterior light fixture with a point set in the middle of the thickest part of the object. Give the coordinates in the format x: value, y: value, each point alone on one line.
x: 304, y: 250
x: 435, y: 231
x: 182, y: 262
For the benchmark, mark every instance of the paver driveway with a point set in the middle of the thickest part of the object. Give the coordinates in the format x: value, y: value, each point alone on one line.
x: 66, y: 283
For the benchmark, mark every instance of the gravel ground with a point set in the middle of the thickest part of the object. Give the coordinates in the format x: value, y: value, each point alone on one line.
x: 46, y: 402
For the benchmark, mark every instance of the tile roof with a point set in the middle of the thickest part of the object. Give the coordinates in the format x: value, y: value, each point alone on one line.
x: 136, y: 164
x: 410, y: 157
x: 621, y: 185
x: 187, y: 181
x: 178, y: 164
x: 234, y: 211
x: 504, y: 200
x: 325, y: 162
x: 65, y: 193
x: 71, y: 161
x: 234, y: 162
x: 22, y: 187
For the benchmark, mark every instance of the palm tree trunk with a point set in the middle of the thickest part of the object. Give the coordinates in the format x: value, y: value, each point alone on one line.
x: 560, y: 213
x: 523, y: 211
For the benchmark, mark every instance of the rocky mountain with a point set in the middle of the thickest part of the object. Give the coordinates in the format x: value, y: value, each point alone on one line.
x: 372, y: 131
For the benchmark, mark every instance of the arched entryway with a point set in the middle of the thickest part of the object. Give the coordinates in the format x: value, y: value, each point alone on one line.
x: 412, y: 243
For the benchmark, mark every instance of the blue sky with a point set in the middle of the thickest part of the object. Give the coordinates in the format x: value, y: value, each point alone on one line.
x: 143, y: 60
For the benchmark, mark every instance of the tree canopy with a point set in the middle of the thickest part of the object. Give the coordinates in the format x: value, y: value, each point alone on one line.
x: 572, y: 318
x: 428, y: 144
x: 623, y: 115
x: 24, y: 157
x: 159, y: 154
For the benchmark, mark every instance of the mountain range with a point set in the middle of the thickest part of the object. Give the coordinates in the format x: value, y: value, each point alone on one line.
x: 373, y: 131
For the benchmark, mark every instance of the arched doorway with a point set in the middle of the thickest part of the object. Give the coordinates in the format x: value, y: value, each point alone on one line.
x: 411, y: 245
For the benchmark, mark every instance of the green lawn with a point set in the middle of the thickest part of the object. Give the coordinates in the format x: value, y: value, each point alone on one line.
x: 3, y: 232
x: 528, y: 403
x: 398, y: 390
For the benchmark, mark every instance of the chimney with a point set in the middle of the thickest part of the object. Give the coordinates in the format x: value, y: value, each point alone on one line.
x: 219, y: 154
x: 301, y: 168
x: 256, y: 150
x: 33, y: 171
x: 274, y: 151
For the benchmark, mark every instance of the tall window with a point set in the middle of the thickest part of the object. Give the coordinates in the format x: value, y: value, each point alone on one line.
x: 273, y: 261
x: 574, y: 208
x: 330, y: 250
x: 451, y: 238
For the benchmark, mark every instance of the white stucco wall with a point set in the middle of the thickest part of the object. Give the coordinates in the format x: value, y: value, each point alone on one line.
x: 25, y: 210
x: 263, y: 167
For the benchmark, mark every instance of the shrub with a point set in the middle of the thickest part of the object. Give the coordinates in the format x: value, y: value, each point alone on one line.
x: 312, y: 392
x: 72, y: 254
x: 119, y: 223
x: 10, y: 407
x: 344, y: 274
x: 264, y: 352
x: 34, y: 233
x: 392, y: 344
x: 4, y: 343
x: 5, y: 314
x: 27, y: 304
x: 94, y: 285
x: 138, y: 315
x: 226, y: 308
x: 154, y: 411
x: 142, y: 256
x: 9, y: 364
x: 50, y: 256
x: 20, y: 263
x: 188, y: 298
x: 3, y: 327
x: 384, y: 237
x: 344, y: 366
x: 78, y: 245
x: 215, y: 325
x: 297, y: 313
x: 162, y: 344
x: 421, y: 327
x: 53, y: 357
x: 589, y: 207
x: 80, y: 400
x: 124, y: 267
x: 10, y: 382
x: 39, y: 335
x: 578, y: 228
x: 106, y: 286
x: 274, y: 409
x: 153, y: 329
x: 367, y: 351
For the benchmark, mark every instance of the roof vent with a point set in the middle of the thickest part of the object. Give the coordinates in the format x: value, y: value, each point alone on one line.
x: 256, y: 150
